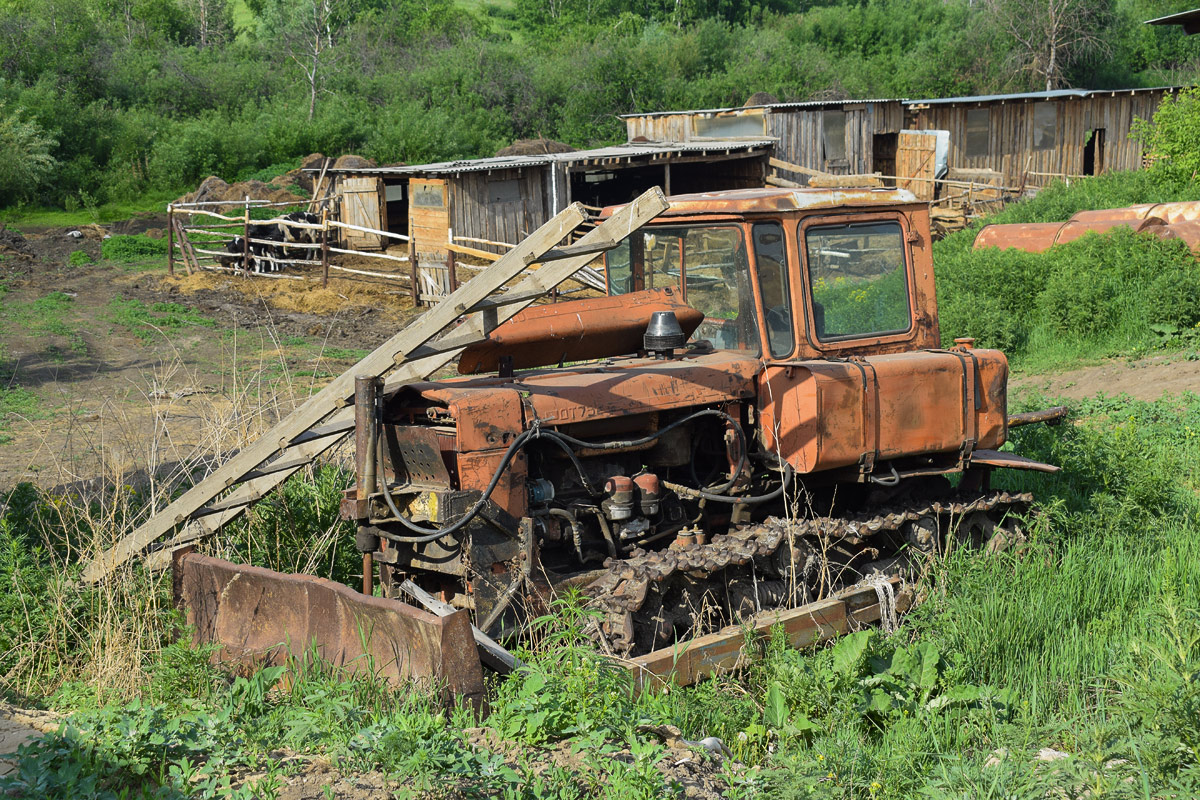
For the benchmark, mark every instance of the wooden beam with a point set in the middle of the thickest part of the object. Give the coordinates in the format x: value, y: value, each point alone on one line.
x: 796, y: 168
x: 783, y: 183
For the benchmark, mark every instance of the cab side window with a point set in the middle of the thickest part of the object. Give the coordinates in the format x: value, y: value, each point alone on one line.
x: 770, y: 262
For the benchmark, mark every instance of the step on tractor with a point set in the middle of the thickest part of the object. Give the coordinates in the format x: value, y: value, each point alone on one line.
x: 758, y: 414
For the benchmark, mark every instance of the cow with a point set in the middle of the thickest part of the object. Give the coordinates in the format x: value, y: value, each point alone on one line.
x: 265, y: 253
x: 298, y: 235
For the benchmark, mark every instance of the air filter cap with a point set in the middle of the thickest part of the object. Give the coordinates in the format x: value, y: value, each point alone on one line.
x: 663, y: 333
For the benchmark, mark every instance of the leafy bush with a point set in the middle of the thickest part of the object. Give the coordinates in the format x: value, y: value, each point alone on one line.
x: 79, y: 258
x: 25, y: 157
x: 127, y: 249
x: 1173, y: 136
x: 1098, y: 295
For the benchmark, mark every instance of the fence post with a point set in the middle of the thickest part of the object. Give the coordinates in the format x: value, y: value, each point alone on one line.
x: 246, y: 238
x: 451, y: 265
x: 170, y: 240
x: 416, y: 292
x: 325, y: 249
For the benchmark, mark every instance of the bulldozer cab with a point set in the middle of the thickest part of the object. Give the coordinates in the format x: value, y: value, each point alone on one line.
x: 792, y: 274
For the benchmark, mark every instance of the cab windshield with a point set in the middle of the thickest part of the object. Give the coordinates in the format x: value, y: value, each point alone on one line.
x: 859, y: 280
x: 709, y: 264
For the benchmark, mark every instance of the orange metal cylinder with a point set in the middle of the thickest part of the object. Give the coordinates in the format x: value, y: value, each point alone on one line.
x: 1189, y: 232
x: 1035, y: 237
x: 1074, y: 228
x: 578, y: 330
x: 1127, y: 214
x: 1179, y: 212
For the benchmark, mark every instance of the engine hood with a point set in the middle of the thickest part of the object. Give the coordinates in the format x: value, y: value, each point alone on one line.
x: 615, y: 388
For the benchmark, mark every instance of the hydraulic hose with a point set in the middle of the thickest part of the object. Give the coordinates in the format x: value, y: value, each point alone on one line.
x: 433, y: 534
x: 788, y: 472
x: 707, y: 412
x: 564, y: 441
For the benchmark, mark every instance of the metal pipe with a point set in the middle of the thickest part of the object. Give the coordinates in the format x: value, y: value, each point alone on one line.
x: 1050, y: 416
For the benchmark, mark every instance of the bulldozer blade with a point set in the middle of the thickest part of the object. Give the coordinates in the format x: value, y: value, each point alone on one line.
x: 258, y: 617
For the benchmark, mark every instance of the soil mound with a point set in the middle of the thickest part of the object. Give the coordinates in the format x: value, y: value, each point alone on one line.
x: 534, y: 147
x: 215, y: 190
x: 13, y: 243
x: 350, y: 161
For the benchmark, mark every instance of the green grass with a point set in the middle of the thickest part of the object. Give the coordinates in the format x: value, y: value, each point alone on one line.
x: 133, y: 249
x: 1085, y: 640
x: 49, y: 314
x: 17, y: 402
x: 151, y: 202
x: 150, y: 321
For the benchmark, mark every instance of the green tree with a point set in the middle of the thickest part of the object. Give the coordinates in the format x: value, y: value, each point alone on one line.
x: 25, y: 160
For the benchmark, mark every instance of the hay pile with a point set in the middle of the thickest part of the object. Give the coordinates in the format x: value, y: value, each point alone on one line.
x: 534, y: 147
x: 213, y: 189
x: 761, y: 99
x: 294, y: 187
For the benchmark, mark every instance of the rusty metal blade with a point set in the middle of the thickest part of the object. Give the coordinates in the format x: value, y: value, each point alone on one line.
x: 261, y: 617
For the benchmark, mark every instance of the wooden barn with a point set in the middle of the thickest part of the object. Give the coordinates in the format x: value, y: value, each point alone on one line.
x: 840, y: 137
x: 1039, y: 135
x: 482, y: 204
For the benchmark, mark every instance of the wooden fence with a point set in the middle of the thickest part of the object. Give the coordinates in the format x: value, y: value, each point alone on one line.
x: 195, y: 231
x: 199, y: 238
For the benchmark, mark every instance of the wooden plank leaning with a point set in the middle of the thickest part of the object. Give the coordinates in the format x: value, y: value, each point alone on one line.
x: 419, y: 362
x: 337, y: 393
x: 429, y: 358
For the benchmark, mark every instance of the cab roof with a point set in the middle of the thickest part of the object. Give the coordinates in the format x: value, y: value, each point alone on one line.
x: 767, y: 200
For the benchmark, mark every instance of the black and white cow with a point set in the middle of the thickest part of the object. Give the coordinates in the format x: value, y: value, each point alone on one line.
x: 269, y: 244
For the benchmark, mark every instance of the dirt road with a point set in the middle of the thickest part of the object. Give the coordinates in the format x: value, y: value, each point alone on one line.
x: 1144, y: 379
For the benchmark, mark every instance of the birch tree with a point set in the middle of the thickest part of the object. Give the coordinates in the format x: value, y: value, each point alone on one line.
x: 1051, y: 36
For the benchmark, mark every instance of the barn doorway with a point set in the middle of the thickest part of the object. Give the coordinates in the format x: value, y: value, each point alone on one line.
x: 1093, y: 153
x: 883, y: 152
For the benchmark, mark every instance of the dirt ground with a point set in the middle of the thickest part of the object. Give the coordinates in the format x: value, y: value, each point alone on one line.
x: 99, y: 378
x: 1144, y: 379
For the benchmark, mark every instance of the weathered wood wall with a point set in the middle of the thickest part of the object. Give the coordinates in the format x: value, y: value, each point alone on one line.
x: 800, y: 131
x: 428, y: 218
x: 502, y: 205
x: 1011, y: 146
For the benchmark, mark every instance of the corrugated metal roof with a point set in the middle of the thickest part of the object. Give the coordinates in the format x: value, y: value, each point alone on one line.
x: 1181, y: 18
x: 620, y: 151
x: 984, y: 98
x: 1051, y: 95
x: 797, y: 104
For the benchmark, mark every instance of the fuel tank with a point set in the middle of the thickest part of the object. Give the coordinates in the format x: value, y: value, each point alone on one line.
x: 827, y: 414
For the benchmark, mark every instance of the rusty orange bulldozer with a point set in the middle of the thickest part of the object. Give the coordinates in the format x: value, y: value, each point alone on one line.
x: 756, y: 425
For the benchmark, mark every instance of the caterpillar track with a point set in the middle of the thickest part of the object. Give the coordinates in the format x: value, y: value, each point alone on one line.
x: 653, y: 599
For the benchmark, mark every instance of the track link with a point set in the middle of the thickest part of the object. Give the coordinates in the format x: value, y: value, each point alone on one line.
x: 652, y: 599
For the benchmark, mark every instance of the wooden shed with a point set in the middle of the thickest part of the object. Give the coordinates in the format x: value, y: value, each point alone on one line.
x: 504, y: 199
x: 834, y: 136
x: 1040, y: 135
